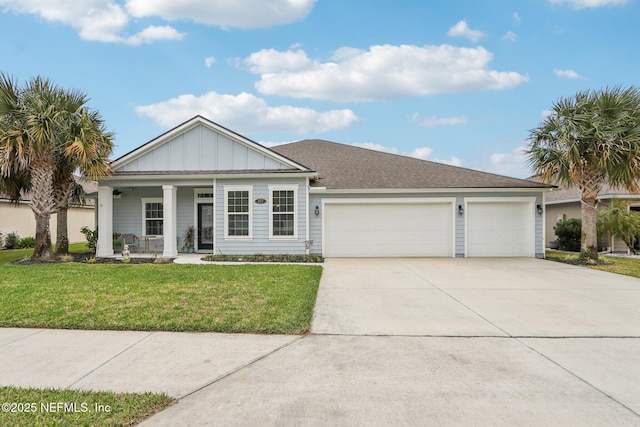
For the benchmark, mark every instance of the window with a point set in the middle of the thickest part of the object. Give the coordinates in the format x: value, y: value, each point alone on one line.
x: 283, y: 218
x: 152, y: 217
x: 238, y: 212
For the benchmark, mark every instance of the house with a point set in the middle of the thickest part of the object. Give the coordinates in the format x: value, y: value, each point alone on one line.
x: 312, y: 196
x: 564, y: 203
x: 18, y: 217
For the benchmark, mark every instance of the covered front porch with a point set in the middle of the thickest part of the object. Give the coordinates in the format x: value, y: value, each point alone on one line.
x: 155, y: 220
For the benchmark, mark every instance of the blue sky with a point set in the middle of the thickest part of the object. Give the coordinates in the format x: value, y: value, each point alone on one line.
x: 457, y: 81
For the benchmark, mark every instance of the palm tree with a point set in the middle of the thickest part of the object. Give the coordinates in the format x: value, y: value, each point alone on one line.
x: 87, y: 146
x: 589, y: 140
x: 47, y: 133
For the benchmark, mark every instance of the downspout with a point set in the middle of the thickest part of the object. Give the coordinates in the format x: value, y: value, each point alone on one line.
x: 306, y: 245
x: 544, y: 225
x: 215, y: 209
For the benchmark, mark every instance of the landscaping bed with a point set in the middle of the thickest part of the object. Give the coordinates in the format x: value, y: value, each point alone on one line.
x: 618, y: 265
x: 265, y: 258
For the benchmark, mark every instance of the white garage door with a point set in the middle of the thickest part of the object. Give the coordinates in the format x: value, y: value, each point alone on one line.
x: 388, y: 229
x: 500, y: 229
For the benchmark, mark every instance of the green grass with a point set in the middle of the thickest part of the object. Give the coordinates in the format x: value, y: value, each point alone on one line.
x: 626, y: 266
x: 275, y: 299
x: 45, y: 407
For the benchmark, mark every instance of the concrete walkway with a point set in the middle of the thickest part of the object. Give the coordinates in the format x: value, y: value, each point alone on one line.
x: 394, y: 342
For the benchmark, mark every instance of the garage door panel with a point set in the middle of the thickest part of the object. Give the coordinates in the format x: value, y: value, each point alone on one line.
x: 388, y: 229
x: 500, y: 229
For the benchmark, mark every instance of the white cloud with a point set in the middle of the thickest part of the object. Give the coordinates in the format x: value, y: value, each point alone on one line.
x: 107, y: 20
x: 567, y: 74
x: 512, y: 163
x: 380, y: 73
x: 546, y: 113
x: 95, y: 20
x: 453, y: 161
x: 590, y: 4
x: 247, y: 113
x: 153, y: 33
x: 461, y: 29
x: 272, y: 61
x: 244, y: 14
x: 208, y: 62
x: 422, y: 153
x: 516, y: 18
x: 510, y: 36
x: 434, y: 121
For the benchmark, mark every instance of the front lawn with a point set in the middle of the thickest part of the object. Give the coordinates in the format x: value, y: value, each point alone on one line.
x: 275, y: 299
x: 626, y: 266
x: 52, y: 407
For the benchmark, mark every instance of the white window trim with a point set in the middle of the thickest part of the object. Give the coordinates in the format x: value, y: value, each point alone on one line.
x: 144, y: 212
x: 227, y: 189
x: 293, y: 188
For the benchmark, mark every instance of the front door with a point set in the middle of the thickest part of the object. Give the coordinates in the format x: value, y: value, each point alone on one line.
x: 205, y: 226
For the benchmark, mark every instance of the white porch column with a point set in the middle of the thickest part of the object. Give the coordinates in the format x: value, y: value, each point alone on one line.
x: 170, y: 210
x: 105, y: 221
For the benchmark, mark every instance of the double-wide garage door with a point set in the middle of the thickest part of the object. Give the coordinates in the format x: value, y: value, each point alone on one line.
x: 427, y: 229
x: 388, y: 229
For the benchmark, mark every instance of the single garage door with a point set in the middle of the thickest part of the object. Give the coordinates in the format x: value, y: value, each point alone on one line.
x: 500, y: 229
x: 388, y: 229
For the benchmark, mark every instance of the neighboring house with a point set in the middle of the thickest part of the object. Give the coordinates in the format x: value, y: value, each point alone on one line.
x: 312, y: 196
x: 18, y: 217
x: 564, y: 203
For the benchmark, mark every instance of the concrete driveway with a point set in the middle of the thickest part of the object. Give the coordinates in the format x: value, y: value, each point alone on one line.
x: 517, y: 297
x: 394, y: 342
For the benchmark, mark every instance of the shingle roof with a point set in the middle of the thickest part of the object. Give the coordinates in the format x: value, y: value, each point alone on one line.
x: 343, y: 166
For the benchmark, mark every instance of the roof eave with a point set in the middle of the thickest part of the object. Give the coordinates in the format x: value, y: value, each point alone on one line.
x: 325, y: 190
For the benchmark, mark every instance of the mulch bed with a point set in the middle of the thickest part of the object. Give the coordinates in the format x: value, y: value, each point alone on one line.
x: 84, y: 257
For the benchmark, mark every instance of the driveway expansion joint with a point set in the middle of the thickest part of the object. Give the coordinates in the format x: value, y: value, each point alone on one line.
x: 241, y: 367
x: 115, y: 356
x: 578, y: 377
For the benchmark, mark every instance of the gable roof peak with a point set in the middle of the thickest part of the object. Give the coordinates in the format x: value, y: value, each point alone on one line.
x: 199, y: 120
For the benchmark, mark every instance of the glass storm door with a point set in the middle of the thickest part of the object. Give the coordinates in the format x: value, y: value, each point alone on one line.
x: 205, y: 226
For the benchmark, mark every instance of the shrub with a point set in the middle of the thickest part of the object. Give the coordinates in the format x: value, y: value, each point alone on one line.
x: 265, y: 258
x: 27, y: 242
x: 91, y: 236
x: 12, y: 241
x: 569, y: 233
x: 1, y: 241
